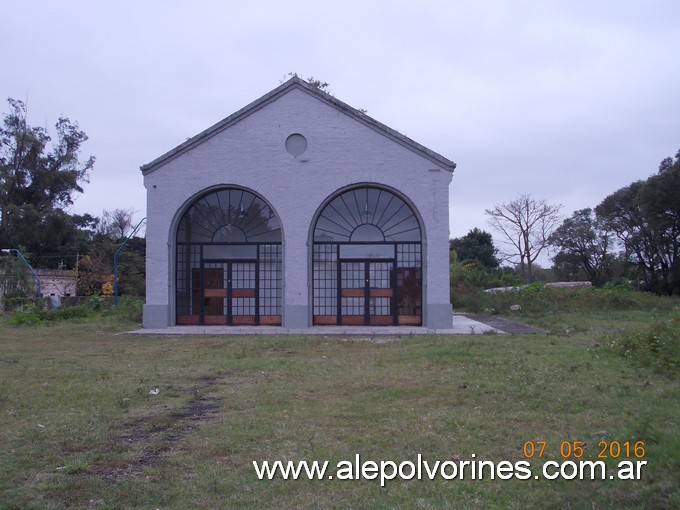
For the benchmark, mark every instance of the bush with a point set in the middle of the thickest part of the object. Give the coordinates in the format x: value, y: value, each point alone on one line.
x: 618, y: 284
x: 66, y: 313
x: 25, y: 319
x: 468, y: 298
x: 657, y: 346
x: 97, y: 302
x: 469, y: 278
x: 21, y: 304
x: 130, y: 309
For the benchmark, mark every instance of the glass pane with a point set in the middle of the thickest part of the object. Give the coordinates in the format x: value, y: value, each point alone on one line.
x: 379, y: 275
x: 270, y: 280
x: 379, y: 306
x: 409, y: 285
x: 352, y: 306
x: 243, y: 306
x: 325, y: 279
x: 352, y: 275
x: 264, y: 227
x: 367, y: 251
x: 243, y: 275
x: 231, y: 251
x: 367, y: 233
x: 331, y: 228
x: 229, y: 234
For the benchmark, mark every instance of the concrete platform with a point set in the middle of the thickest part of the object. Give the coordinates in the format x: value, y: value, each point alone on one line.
x: 461, y: 325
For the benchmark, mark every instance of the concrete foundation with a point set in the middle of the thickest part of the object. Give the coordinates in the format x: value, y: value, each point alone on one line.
x: 156, y: 316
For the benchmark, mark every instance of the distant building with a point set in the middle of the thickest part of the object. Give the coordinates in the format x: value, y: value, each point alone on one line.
x: 57, y: 282
x: 298, y: 210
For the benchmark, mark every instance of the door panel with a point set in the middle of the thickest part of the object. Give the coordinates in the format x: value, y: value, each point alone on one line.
x: 229, y: 293
x: 366, y: 293
x: 351, y: 287
x: 352, y: 293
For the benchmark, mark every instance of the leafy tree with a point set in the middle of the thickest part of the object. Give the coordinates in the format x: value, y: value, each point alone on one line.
x: 53, y: 238
x: 132, y: 268
x: 38, y: 178
x: 476, y: 245
x: 584, y: 245
x: 525, y: 225
x: 645, y: 217
x: 96, y: 269
x: 93, y: 272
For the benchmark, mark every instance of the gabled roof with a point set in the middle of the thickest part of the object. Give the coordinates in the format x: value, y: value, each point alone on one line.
x: 297, y: 83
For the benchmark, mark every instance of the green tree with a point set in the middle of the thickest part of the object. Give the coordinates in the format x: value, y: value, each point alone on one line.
x: 96, y: 268
x: 132, y: 268
x: 584, y: 245
x: 38, y: 179
x: 476, y: 245
x: 645, y: 217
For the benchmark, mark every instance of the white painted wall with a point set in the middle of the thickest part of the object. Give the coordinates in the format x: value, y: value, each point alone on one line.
x: 341, y: 152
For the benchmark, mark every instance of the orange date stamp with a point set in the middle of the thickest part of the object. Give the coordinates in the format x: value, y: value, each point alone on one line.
x: 579, y: 449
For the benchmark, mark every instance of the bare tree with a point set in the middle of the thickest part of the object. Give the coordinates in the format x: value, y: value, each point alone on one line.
x: 526, y: 225
x: 117, y: 223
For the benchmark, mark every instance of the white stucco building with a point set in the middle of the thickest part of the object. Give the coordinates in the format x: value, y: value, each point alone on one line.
x: 298, y: 210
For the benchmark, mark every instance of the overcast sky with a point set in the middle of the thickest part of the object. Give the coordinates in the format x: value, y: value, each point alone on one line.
x: 567, y: 100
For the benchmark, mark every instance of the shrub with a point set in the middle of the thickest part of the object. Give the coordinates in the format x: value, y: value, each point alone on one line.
x: 23, y: 304
x: 97, y: 302
x: 657, y: 346
x: 130, y: 309
x: 25, y: 319
x: 618, y: 283
x: 468, y: 298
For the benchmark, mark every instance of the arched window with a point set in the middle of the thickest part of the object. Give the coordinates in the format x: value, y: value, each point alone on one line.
x: 228, y: 264
x: 367, y: 267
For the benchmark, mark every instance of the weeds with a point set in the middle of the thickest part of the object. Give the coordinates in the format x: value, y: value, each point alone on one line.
x: 96, y: 308
x: 656, y: 346
x: 536, y: 299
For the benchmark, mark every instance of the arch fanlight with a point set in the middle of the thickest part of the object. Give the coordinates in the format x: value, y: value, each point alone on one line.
x: 367, y: 215
x: 229, y: 216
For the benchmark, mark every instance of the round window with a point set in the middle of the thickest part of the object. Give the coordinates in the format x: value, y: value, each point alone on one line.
x: 296, y: 144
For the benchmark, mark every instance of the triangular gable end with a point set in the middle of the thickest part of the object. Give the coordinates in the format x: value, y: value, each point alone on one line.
x: 297, y: 83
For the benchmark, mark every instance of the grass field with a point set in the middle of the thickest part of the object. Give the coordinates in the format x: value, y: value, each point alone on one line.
x: 80, y: 429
